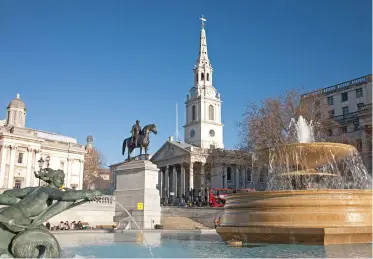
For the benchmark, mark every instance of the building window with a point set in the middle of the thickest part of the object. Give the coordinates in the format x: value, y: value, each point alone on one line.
x: 229, y: 174
x: 197, y: 77
x: 211, y: 112
x: 17, y: 184
x: 193, y: 112
x: 330, y: 132
x: 344, y: 97
x: 202, y: 76
x: 356, y: 126
x: 248, y: 175
x: 345, y: 110
x: 62, y: 165
x: 344, y: 129
x: 20, y: 158
x: 359, y: 93
x: 330, y: 100
x: 212, y: 146
x: 208, y: 77
x: 261, y: 177
x: 360, y: 106
x: 331, y: 113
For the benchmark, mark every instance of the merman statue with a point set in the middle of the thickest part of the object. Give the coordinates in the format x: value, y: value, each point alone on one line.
x: 22, y: 233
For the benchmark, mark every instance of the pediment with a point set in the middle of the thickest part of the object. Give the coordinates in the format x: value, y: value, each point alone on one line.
x: 169, y: 150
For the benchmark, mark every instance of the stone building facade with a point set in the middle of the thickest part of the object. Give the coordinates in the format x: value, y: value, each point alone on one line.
x: 21, y: 148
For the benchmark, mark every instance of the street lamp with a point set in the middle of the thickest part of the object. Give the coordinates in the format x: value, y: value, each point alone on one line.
x: 41, y: 163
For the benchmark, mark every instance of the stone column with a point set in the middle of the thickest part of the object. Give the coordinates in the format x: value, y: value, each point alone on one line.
x: 29, y: 173
x: 167, y: 183
x: 238, y: 178
x: 203, y: 180
x: 225, y: 170
x: 174, y: 182
x: 81, y: 174
x: 68, y: 175
x: 4, y: 154
x: 182, y: 180
x: 160, y: 180
x: 191, y: 176
x: 11, y: 167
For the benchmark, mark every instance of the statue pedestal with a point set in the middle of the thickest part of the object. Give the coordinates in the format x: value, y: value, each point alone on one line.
x: 136, y: 189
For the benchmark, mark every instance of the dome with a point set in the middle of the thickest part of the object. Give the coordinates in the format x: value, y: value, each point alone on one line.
x: 17, y: 103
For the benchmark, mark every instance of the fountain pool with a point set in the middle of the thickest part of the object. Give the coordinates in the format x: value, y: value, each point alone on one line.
x: 192, y: 245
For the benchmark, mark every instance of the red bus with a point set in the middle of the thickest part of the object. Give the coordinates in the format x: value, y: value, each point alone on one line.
x: 217, y: 195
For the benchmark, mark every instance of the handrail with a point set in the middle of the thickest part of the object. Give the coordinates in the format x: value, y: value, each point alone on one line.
x: 347, y: 84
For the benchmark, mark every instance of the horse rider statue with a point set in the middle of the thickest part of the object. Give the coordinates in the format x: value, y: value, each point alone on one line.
x: 136, y: 130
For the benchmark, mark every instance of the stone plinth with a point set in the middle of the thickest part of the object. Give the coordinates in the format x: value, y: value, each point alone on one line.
x: 306, y: 217
x: 136, y: 182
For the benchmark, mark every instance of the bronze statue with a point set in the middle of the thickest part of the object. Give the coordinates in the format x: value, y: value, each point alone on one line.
x: 136, y: 131
x: 142, y: 141
x: 22, y: 233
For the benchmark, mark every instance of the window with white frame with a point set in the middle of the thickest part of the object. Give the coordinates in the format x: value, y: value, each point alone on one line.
x: 17, y: 184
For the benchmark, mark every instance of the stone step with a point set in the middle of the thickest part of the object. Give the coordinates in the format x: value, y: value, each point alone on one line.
x: 182, y: 223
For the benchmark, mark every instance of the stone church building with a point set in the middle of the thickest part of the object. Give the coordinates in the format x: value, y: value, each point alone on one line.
x: 201, y: 162
x: 21, y: 149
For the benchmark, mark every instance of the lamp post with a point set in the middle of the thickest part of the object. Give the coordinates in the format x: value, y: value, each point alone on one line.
x: 41, y: 163
x: 47, y: 160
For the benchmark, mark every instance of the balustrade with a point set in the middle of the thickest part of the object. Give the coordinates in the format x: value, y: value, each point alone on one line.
x: 106, y: 199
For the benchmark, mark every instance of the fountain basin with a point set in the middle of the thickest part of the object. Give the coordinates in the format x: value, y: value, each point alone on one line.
x: 305, y: 217
x: 305, y: 155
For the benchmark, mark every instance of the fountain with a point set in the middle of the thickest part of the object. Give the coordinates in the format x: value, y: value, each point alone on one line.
x: 317, y: 193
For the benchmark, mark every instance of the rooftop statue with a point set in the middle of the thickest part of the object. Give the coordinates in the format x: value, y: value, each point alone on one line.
x: 22, y: 233
x: 138, y: 139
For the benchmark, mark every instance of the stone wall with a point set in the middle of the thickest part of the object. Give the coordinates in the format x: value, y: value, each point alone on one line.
x: 205, y: 216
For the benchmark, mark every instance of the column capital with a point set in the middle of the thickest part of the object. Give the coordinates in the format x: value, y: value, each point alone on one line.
x: 13, y: 147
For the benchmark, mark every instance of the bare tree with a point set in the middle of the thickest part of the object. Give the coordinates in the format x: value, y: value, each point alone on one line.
x: 268, y: 124
x: 93, y: 161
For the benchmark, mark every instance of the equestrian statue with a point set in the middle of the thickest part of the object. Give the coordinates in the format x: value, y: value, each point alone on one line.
x: 22, y: 233
x: 139, y: 138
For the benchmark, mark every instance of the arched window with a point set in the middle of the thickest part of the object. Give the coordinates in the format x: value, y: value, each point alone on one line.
x: 193, y: 113
x: 211, y: 112
x: 197, y: 77
x: 202, y: 76
x: 208, y: 77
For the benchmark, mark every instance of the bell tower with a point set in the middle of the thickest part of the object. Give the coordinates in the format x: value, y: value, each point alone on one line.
x: 203, y: 126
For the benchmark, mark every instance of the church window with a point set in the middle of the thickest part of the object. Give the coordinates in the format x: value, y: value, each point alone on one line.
x: 208, y: 77
x: 211, y: 112
x: 193, y: 112
x: 202, y: 76
x: 20, y: 158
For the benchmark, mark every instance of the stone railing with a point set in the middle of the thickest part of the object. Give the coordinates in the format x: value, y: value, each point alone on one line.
x: 344, y: 85
x: 106, y: 199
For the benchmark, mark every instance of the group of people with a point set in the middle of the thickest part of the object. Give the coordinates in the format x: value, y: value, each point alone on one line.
x: 65, y: 225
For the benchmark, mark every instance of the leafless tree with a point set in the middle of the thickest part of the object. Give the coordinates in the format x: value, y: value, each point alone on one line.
x: 268, y: 124
x: 93, y: 161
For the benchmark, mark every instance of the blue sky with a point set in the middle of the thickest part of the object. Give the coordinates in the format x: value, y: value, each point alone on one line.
x: 94, y: 67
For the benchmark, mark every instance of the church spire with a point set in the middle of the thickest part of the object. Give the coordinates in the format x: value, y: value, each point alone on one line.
x: 202, y: 56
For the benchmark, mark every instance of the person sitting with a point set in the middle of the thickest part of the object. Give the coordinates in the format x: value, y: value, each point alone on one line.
x: 61, y: 226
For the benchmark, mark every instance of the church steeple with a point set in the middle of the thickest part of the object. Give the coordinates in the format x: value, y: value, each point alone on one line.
x: 203, y: 126
x: 202, y: 69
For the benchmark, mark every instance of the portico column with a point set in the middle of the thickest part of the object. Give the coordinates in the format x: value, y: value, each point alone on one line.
x: 203, y: 180
x: 167, y: 185
x: 4, y: 153
x: 182, y: 182
x: 237, y: 177
x: 174, y: 182
x: 29, y: 167
x: 191, y: 176
x: 160, y: 186
x: 225, y: 169
x: 69, y: 169
x: 11, y: 167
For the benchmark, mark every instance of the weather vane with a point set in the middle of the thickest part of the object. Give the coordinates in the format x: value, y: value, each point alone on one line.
x: 203, y: 21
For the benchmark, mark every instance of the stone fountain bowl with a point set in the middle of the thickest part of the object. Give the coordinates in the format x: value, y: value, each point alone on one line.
x: 305, y: 155
x: 306, y: 217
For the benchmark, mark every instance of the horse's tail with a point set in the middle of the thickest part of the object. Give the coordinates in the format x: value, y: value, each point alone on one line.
x: 124, y: 146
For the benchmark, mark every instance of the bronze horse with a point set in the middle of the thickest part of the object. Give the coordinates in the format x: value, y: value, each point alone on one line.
x: 143, y: 141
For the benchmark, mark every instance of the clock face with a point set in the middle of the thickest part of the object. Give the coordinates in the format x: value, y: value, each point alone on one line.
x: 212, y: 133
x: 192, y: 133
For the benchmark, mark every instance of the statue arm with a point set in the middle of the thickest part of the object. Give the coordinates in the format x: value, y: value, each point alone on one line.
x: 18, y: 193
x: 69, y: 195
x: 8, y: 200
